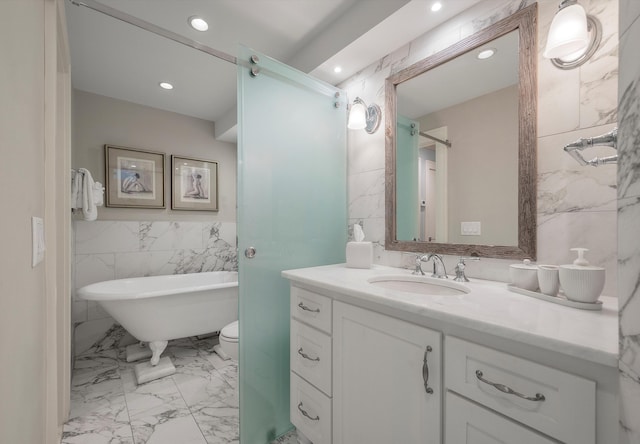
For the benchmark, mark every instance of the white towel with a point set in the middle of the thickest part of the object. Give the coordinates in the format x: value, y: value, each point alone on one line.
x: 76, y: 189
x: 89, y: 209
x: 98, y: 194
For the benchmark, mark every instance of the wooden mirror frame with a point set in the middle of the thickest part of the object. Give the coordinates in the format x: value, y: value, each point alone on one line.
x: 525, y: 21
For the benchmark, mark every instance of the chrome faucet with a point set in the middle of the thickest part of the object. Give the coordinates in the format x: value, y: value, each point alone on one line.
x: 418, y: 269
x: 439, y: 270
x: 460, y: 277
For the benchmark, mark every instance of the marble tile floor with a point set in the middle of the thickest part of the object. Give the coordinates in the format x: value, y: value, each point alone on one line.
x: 196, y: 405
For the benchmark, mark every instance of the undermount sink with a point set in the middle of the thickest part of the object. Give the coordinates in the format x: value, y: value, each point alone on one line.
x: 420, y: 285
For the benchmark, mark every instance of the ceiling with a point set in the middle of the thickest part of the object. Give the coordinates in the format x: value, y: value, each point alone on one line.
x: 466, y: 77
x: 115, y: 59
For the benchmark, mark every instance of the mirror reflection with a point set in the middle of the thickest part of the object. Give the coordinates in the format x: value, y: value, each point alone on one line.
x: 457, y: 149
x: 461, y: 146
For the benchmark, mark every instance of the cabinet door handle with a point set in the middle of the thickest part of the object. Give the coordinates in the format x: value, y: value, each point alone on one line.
x: 306, y: 356
x: 504, y: 389
x: 304, y: 413
x: 425, y: 371
x: 305, y: 308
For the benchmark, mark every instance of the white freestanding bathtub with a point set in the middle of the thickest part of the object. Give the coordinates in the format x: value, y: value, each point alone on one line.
x: 156, y: 309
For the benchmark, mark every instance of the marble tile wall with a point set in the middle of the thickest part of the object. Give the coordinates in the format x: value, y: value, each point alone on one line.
x: 576, y: 205
x: 629, y: 220
x: 106, y: 250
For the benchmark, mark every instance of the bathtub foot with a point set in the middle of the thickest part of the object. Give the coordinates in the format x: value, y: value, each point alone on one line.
x: 136, y: 352
x: 146, y: 372
x: 157, y: 347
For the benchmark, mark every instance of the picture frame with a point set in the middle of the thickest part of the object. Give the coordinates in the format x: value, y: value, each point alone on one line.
x: 134, y: 178
x: 194, y: 184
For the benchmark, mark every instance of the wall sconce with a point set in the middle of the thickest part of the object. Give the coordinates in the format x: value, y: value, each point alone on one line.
x: 364, y: 117
x: 574, y: 36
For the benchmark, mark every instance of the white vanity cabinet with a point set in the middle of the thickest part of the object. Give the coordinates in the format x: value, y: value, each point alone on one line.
x: 556, y: 403
x: 310, y: 362
x: 374, y: 366
x: 469, y: 423
x: 387, y: 380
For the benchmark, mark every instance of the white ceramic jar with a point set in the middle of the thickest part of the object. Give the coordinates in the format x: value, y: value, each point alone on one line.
x: 548, y: 279
x: 524, y: 275
x: 581, y: 281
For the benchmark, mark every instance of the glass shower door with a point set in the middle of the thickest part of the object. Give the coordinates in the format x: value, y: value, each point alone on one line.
x: 407, y: 179
x: 292, y: 213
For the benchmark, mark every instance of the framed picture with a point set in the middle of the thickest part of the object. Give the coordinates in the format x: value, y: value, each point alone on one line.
x: 194, y: 184
x: 134, y: 178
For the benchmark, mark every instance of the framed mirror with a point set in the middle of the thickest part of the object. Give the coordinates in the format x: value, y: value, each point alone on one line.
x: 461, y: 146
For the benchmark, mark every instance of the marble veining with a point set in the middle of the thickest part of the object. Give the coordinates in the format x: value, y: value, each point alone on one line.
x: 169, y: 236
x: 599, y: 75
x: 629, y: 340
x: 196, y: 405
x: 628, y: 218
x: 571, y: 104
x: 499, y: 13
x: 566, y: 230
x: 123, y: 249
x: 366, y: 194
x: 113, y: 337
x: 629, y: 12
x: 569, y: 191
x: 629, y: 137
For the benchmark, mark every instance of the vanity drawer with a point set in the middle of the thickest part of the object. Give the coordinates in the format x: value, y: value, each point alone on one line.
x: 567, y: 413
x: 311, y: 355
x: 310, y: 411
x: 468, y: 423
x: 311, y: 308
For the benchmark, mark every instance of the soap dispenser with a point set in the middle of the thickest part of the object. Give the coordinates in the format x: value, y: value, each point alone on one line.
x: 581, y: 281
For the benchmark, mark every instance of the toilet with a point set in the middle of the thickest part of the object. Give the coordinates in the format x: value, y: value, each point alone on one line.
x: 228, y: 348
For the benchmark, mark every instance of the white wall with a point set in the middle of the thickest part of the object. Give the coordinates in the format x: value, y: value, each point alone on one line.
x: 100, y: 120
x: 484, y: 136
x: 629, y: 221
x: 129, y: 242
x: 28, y: 295
x: 576, y: 205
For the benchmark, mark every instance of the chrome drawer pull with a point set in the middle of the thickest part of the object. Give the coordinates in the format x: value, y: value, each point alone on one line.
x: 504, y: 389
x: 425, y: 371
x: 306, y: 356
x: 304, y: 413
x: 304, y: 307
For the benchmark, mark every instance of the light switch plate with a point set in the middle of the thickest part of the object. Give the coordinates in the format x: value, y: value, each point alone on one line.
x: 37, y: 232
x: 470, y: 228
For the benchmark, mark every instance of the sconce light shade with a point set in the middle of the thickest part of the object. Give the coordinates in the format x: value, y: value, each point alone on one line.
x: 357, y: 116
x: 364, y: 117
x: 568, y: 33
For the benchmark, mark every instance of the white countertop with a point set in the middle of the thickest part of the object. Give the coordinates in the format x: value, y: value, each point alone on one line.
x: 490, y: 308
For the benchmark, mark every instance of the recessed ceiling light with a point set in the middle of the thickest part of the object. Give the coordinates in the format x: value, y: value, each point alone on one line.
x: 486, y: 53
x: 436, y: 7
x: 198, y: 23
x: 337, y: 69
x: 166, y: 85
